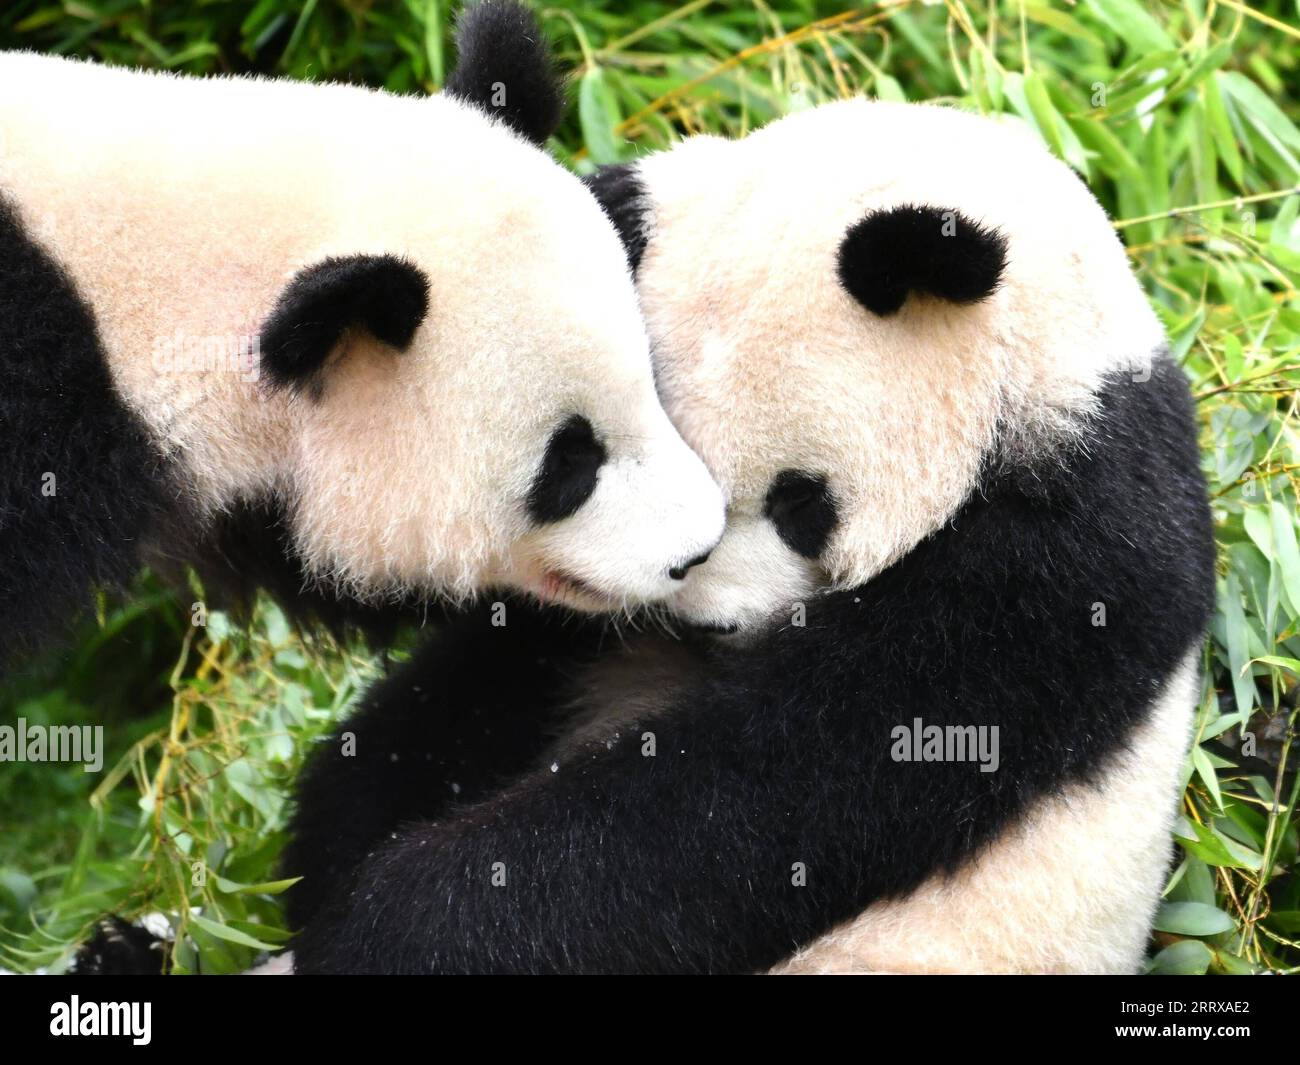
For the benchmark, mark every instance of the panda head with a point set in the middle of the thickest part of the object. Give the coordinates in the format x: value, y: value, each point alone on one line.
x: 853, y: 312
x: 470, y: 403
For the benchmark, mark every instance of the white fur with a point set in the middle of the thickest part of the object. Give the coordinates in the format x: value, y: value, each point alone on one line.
x: 181, y: 207
x: 765, y: 361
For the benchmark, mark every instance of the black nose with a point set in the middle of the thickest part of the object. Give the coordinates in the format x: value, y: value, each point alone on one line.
x: 678, y: 573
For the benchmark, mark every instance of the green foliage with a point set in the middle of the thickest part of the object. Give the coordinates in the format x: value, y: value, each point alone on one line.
x: 1182, y: 117
x: 190, y: 816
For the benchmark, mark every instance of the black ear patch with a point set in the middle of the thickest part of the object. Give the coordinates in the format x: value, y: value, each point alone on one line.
x: 384, y: 294
x: 504, y: 67
x: 920, y: 249
x: 620, y: 192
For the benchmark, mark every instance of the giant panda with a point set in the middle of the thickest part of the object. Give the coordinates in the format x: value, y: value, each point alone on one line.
x: 379, y: 346
x: 963, y: 494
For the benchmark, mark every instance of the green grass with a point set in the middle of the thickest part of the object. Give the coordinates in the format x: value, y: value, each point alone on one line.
x: 1182, y: 117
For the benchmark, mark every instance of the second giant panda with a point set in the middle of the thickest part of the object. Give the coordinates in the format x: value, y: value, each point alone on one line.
x: 967, y: 572
x: 387, y: 337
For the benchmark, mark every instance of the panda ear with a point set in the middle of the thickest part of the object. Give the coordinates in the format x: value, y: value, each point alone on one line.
x: 504, y: 67
x: 619, y: 191
x: 382, y: 294
x: 920, y: 249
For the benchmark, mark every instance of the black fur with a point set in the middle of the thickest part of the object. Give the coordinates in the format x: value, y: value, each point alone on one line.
x: 619, y: 190
x: 906, y: 249
x: 504, y: 67
x: 802, y: 508
x: 432, y: 739
x: 121, y: 949
x: 569, y: 471
x: 780, y: 753
x: 60, y: 416
x: 384, y: 294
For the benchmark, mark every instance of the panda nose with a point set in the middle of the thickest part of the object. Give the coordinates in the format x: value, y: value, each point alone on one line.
x: 678, y: 573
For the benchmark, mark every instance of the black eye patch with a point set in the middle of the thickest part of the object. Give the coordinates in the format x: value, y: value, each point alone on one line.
x: 803, y: 510
x: 569, y: 471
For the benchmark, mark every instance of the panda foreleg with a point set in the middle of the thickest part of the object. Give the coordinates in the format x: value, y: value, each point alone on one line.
x: 471, y: 710
x: 666, y: 848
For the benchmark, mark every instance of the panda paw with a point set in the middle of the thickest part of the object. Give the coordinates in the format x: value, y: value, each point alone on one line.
x: 121, y: 949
